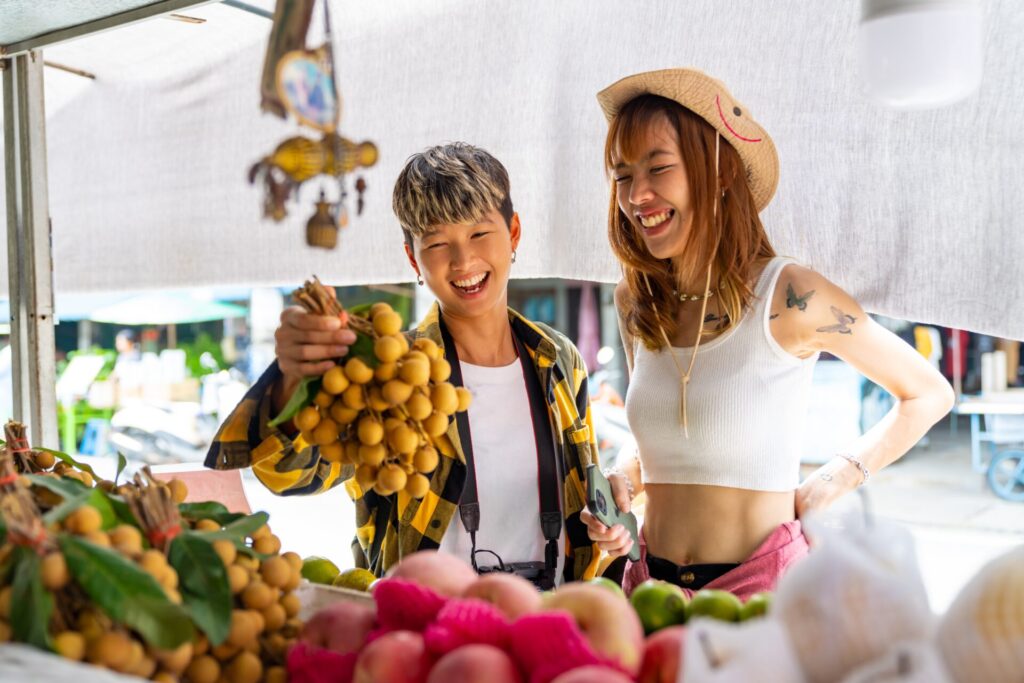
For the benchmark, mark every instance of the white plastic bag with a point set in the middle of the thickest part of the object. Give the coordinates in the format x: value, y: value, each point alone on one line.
x: 857, y: 593
x: 756, y: 650
x: 911, y: 662
x: 981, y: 636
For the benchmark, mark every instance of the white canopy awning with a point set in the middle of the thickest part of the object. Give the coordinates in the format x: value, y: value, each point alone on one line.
x: 917, y: 214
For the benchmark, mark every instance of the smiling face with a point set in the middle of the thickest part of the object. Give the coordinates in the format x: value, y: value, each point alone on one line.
x: 652, y: 189
x: 466, y: 265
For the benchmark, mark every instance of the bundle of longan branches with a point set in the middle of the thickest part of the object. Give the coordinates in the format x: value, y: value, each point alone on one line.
x: 153, y: 504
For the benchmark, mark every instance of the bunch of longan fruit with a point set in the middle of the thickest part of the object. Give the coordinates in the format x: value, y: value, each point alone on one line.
x: 384, y: 420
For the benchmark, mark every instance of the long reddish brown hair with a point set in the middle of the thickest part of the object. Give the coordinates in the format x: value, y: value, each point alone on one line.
x: 734, y: 241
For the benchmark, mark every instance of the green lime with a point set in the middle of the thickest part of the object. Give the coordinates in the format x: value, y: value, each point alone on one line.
x: 658, y: 604
x: 721, y: 605
x: 756, y: 606
x: 355, y: 579
x: 319, y: 570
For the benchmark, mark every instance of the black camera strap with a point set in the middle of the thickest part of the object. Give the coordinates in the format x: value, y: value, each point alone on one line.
x: 548, y: 479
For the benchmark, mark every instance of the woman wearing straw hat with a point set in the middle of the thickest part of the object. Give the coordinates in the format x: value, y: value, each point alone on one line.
x: 721, y: 337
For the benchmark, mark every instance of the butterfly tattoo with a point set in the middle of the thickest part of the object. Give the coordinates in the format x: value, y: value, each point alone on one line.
x: 792, y: 300
x: 843, y: 326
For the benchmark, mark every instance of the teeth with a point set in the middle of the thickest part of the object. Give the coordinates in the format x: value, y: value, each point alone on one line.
x: 654, y: 219
x: 475, y: 280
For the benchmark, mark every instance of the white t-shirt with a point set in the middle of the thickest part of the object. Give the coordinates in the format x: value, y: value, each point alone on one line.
x: 505, y: 455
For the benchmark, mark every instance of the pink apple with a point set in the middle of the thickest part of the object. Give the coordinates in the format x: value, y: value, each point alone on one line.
x: 475, y: 664
x: 513, y: 595
x: 663, y: 656
x: 607, y: 620
x: 341, y: 627
x: 443, y: 573
x: 396, y: 657
x: 593, y: 674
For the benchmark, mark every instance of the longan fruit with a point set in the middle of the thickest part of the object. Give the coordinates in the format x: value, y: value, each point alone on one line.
x: 5, y: 632
x: 245, y: 668
x: 263, y: 532
x: 176, y: 660
x: 427, y: 347
x: 165, y: 677
x: 145, y: 668
x: 201, y: 645
x: 207, y: 525
x: 127, y: 538
x: 342, y: 414
x: 417, y: 356
x: 326, y: 432
x: 179, y: 490
x: 333, y: 452
x: 242, y: 629
x: 366, y: 476
x: 419, y: 406
x: 375, y: 400
x: 392, y: 421
x: 417, y: 485
x: 70, y: 645
x: 54, y: 571
x: 396, y: 391
x: 267, y: 546
x: 403, y: 440
x: 444, y: 398
x: 370, y: 430
x: 98, y: 538
x: 238, y: 578
x: 5, y: 596
x: 465, y: 398
x: 385, y: 372
x: 274, y: 617
x: 203, y: 669
x: 380, y: 307
x: 226, y: 651
x: 372, y: 455
x: 351, y: 453
x: 112, y: 649
x: 276, y: 572
x: 294, y: 560
x: 426, y: 459
x: 84, y: 520
x: 387, y: 349
x: 307, y: 419
x: 322, y: 399
x: 354, y: 398
x: 250, y: 564
x: 226, y: 550
x: 44, y: 459
x: 357, y: 371
x: 414, y: 372
x: 92, y: 624
x: 257, y: 595
x: 392, y: 477
x: 258, y: 624
x: 169, y: 577
x: 387, y: 323
x: 276, y: 674
x: 292, y: 605
x: 435, y: 424
x: 135, y: 656
x: 440, y: 370
x: 335, y: 381
x: 153, y: 562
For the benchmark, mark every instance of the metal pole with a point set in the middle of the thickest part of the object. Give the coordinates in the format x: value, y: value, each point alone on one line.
x: 29, y: 248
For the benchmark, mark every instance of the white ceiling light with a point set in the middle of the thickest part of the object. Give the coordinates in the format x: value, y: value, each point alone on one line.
x: 921, y: 54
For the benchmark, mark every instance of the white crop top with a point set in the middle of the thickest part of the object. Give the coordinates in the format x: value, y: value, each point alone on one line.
x: 746, y: 404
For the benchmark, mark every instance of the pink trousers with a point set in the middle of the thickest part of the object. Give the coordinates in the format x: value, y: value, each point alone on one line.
x: 757, y: 573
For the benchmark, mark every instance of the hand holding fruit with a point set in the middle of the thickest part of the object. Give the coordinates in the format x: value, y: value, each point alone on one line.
x: 307, y: 345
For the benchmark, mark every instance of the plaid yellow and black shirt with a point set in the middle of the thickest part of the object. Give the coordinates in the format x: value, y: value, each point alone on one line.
x: 391, y: 527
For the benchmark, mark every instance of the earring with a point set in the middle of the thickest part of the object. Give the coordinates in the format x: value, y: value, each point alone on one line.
x: 419, y: 280
x: 513, y: 256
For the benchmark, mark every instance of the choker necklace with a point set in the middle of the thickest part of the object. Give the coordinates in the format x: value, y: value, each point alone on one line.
x: 684, y: 297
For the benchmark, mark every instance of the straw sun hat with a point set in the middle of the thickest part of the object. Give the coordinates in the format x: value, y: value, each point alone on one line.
x: 712, y: 101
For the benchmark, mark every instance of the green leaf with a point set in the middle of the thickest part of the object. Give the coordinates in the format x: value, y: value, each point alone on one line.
x: 94, y: 497
x: 126, y: 593
x: 363, y: 349
x: 31, y: 604
x: 246, y: 550
x: 68, y: 460
x: 303, y: 396
x: 209, y: 510
x: 121, y: 509
x: 362, y: 310
x: 238, y: 529
x: 204, y: 584
x: 3, y: 530
x: 122, y: 462
x: 65, y: 488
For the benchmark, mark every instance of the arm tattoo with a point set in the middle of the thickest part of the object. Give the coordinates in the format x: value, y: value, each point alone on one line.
x: 798, y: 301
x: 721, y: 320
x: 843, y: 326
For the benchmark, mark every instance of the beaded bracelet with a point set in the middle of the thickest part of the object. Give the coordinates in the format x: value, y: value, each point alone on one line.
x: 861, y: 466
x: 629, y: 485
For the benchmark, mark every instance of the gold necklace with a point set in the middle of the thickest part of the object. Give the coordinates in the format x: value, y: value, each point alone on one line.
x: 684, y: 297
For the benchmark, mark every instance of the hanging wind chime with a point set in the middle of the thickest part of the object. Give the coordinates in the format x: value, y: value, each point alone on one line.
x: 302, y: 83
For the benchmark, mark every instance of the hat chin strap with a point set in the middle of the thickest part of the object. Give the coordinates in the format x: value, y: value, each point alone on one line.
x: 684, y: 376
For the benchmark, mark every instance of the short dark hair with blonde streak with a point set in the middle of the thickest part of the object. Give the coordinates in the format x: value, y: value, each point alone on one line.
x: 454, y: 183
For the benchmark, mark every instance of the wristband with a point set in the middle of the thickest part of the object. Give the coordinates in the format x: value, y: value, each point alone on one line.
x: 859, y: 465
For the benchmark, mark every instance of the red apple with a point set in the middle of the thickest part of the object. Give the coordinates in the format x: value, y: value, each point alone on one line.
x: 607, y: 620
x: 341, y: 627
x: 443, y: 573
x: 663, y: 656
x: 396, y: 657
x: 513, y: 595
x: 475, y: 664
x: 593, y: 674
